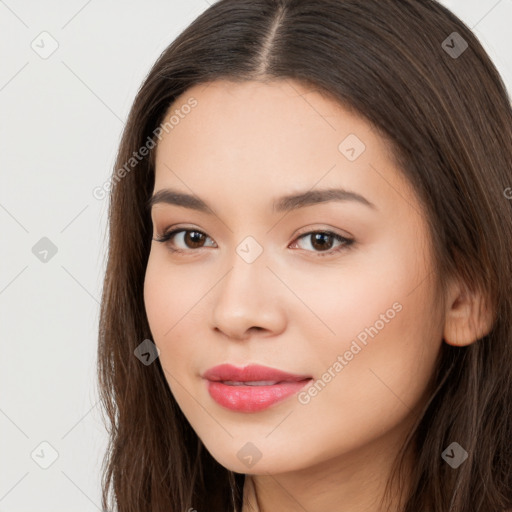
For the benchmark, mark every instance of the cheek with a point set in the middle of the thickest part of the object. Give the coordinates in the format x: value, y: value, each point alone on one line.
x: 157, y: 302
x: 163, y: 310
x: 169, y: 294
x: 377, y: 362
x: 371, y: 394
x: 172, y: 298
x: 367, y: 289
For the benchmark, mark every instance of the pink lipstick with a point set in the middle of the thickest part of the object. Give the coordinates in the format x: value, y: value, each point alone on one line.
x: 252, y: 388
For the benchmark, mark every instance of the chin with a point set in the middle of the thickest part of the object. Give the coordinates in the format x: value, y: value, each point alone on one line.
x: 246, y: 457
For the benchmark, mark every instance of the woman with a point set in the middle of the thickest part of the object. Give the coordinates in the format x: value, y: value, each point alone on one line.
x: 308, y: 297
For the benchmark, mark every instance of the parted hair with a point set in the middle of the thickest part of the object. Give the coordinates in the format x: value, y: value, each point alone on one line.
x: 446, y: 114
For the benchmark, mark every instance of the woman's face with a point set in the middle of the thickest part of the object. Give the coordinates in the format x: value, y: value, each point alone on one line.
x: 260, y: 279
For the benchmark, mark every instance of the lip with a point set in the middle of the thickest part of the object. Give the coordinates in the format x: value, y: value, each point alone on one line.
x: 251, y: 398
x: 252, y: 372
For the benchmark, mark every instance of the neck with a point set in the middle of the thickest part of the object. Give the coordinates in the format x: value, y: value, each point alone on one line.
x: 353, y: 482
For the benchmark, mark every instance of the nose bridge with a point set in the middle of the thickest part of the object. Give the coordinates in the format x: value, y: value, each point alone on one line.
x: 244, y: 285
x: 246, y: 296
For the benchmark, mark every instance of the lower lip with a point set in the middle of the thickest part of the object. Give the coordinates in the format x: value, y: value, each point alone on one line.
x: 252, y: 398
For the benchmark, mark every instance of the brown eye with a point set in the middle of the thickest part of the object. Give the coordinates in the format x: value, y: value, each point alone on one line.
x: 322, y: 242
x: 193, y: 239
x: 184, y: 239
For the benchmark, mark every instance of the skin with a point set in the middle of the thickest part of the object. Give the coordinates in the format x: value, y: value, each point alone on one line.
x: 241, y: 147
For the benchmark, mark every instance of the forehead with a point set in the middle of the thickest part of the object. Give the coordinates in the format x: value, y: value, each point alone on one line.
x: 256, y: 137
x: 281, y: 112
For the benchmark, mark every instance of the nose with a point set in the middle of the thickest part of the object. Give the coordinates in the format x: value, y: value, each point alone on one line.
x: 249, y: 300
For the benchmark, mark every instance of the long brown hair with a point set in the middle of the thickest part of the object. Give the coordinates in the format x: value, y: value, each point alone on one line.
x: 445, y: 111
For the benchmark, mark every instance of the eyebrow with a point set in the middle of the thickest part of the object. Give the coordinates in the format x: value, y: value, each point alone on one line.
x: 282, y: 204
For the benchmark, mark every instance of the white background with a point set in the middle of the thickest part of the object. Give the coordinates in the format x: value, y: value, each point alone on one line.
x: 61, y: 121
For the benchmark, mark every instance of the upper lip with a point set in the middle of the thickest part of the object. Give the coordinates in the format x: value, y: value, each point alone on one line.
x: 250, y: 373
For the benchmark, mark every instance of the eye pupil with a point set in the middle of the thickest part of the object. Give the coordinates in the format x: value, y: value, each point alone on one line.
x: 318, y: 237
x: 195, y: 238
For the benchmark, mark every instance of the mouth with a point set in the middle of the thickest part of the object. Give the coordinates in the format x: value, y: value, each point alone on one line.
x: 253, y: 388
x: 252, y: 383
x: 253, y: 374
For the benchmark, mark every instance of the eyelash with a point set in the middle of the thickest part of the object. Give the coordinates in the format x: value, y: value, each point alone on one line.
x: 345, y: 242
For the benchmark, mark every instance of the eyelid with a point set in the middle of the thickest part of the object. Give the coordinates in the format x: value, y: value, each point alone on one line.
x: 322, y: 229
x: 346, y: 241
x: 172, y: 231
